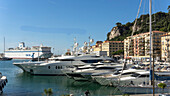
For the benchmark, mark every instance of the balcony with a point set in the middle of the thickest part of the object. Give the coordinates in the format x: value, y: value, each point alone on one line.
x: 167, y: 45
x: 167, y: 40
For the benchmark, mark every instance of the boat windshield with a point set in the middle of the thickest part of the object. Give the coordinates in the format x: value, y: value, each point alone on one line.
x: 64, y: 60
x: 91, y: 61
x: 103, y: 68
x: 140, y: 75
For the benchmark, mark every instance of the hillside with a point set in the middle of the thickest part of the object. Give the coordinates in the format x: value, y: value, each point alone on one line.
x: 161, y: 22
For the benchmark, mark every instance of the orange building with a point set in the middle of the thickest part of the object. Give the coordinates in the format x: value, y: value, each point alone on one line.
x: 112, y: 46
x: 138, y: 46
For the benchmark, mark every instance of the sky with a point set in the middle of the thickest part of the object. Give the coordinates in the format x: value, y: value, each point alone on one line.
x: 56, y: 23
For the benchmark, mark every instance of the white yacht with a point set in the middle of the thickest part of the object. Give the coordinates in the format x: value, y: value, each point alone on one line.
x: 84, y: 72
x: 127, y: 77
x: 54, y: 66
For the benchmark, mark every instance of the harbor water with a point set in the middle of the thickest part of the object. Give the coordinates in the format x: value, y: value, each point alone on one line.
x: 23, y: 84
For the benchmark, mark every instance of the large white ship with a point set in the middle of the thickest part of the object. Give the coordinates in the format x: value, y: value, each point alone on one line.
x: 22, y: 52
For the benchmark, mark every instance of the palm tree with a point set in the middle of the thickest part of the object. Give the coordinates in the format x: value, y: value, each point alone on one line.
x: 162, y: 85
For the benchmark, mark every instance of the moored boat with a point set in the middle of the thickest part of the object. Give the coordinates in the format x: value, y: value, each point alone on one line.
x: 3, y: 81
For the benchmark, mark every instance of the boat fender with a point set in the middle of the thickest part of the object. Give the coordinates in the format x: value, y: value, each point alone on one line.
x: 5, y: 83
x: 6, y: 80
x: 0, y: 88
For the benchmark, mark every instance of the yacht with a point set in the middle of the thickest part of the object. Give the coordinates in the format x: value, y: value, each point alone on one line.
x: 55, y: 65
x: 127, y: 77
x: 3, y: 81
x: 85, y: 72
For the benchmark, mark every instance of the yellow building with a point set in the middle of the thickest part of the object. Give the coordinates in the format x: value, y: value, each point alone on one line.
x: 138, y: 46
x: 165, y: 50
x: 112, y: 46
x: 98, y: 46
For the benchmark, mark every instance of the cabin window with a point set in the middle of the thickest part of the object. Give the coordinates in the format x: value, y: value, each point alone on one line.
x: 66, y: 60
x: 91, y: 61
x: 48, y: 67
x: 100, y: 68
x: 144, y: 75
x: 61, y: 67
x: 56, y: 67
x: 128, y: 73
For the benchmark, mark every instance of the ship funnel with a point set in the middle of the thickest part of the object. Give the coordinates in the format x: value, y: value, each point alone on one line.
x: 21, y: 45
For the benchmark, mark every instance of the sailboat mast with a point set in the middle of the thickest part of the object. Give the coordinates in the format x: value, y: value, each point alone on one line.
x: 4, y: 46
x: 150, y: 30
x: 151, y: 48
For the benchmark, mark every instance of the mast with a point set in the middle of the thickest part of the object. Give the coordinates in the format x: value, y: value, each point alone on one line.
x: 89, y: 45
x: 150, y: 30
x: 4, y: 46
x: 38, y: 54
x: 151, y: 49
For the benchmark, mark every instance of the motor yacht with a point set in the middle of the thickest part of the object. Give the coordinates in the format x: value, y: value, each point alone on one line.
x: 84, y: 72
x: 55, y: 65
x: 127, y: 77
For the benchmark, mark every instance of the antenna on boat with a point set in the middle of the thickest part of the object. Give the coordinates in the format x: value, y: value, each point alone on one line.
x: 89, y: 45
x: 90, y: 42
x: 75, y: 47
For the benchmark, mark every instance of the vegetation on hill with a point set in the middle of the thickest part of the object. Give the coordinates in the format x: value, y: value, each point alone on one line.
x: 119, y: 52
x: 160, y: 22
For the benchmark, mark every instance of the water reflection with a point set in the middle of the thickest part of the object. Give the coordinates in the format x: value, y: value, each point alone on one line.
x: 62, y: 85
x: 21, y: 84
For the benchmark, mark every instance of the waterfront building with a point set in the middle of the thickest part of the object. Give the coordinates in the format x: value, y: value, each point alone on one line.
x: 112, y: 46
x: 165, y: 50
x: 97, y: 49
x: 138, y: 46
x: 98, y: 46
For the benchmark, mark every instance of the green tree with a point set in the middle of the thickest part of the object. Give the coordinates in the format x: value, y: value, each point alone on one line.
x: 169, y: 8
x: 48, y: 92
x: 162, y: 85
x: 119, y: 24
x: 169, y: 28
x: 67, y: 53
x: 119, y: 52
x: 125, y: 95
